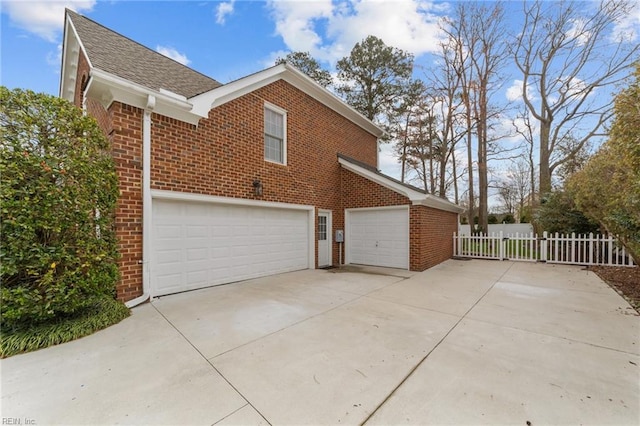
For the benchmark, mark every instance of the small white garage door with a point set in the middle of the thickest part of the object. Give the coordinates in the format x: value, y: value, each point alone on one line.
x: 378, y: 237
x: 197, y: 245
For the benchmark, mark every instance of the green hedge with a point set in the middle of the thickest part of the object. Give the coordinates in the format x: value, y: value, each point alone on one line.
x: 59, y: 189
x: 102, y: 314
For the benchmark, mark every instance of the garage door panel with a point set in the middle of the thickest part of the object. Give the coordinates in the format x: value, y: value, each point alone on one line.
x: 197, y: 277
x: 168, y: 257
x: 379, y: 237
x: 201, y: 244
x: 167, y: 231
x: 195, y: 254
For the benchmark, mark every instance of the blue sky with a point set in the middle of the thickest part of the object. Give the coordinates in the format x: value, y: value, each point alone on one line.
x: 230, y: 39
x: 225, y: 40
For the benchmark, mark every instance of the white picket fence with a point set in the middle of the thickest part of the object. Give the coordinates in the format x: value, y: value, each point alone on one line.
x: 552, y: 248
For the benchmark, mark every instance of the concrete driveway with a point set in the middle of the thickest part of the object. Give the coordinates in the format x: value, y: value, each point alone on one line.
x: 467, y: 342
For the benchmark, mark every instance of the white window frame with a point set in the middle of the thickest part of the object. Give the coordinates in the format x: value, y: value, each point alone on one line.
x: 283, y: 113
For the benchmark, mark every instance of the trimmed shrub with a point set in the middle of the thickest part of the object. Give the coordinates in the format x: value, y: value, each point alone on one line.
x: 508, y: 218
x: 59, y: 189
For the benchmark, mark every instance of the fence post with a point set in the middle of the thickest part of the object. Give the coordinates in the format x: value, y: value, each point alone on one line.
x: 502, y: 242
x: 455, y: 250
x: 543, y: 247
x: 590, y: 248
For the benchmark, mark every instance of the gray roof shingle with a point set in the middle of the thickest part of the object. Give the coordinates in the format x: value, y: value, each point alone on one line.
x: 123, y: 57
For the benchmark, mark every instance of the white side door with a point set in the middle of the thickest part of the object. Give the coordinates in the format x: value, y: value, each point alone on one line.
x: 324, y: 238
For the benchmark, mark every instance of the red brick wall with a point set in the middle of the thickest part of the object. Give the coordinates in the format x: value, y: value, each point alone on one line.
x: 126, y: 141
x: 223, y: 154
x: 431, y: 230
x: 431, y: 236
x: 122, y: 125
x: 358, y: 192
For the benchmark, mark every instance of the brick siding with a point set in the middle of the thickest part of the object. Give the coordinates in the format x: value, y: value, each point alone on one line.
x: 224, y: 153
x: 430, y: 230
x: 431, y: 236
x: 126, y: 143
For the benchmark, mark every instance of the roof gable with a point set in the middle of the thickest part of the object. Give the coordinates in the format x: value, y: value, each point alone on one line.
x: 126, y: 71
x: 286, y: 72
x: 115, y: 54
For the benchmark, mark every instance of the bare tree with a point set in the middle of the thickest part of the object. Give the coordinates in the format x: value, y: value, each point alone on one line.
x: 524, y: 127
x: 566, y: 51
x: 454, y: 68
x: 477, y: 31
x: 514, y: 188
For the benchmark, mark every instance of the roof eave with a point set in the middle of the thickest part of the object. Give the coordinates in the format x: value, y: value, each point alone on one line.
x: 107, y: 88
x: 310, y: 86
x: 439, y: 203
x: 69, y: 66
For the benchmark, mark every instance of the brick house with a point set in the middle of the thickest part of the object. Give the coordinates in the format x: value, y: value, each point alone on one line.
x: 221, y: 183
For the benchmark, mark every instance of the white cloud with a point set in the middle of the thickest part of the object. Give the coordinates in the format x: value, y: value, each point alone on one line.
x: 172, y: 53
x: 55, y: 58
x: 578, y: 32
x: 271, y: 58
x: 628, y: 28
x: 514, y: 92
x: 388, y: 161
x: 329, y: 30
x: 295, y: 22
x: 44, y: 18
x: 224, y: 9
x: 407, y: 24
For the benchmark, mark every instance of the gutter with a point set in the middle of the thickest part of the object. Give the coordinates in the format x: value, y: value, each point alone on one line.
x: 146, y: 205
x: 123, y: 84
x: 436, y: 202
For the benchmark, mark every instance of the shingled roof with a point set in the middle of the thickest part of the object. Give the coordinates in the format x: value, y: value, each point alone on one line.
x: 123, y: 57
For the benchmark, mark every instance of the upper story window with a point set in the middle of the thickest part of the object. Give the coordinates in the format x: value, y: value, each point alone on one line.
x: 275, y: 134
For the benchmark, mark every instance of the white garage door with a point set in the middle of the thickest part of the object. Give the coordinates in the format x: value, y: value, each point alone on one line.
x: 379, y: 237
x: 198, y: 245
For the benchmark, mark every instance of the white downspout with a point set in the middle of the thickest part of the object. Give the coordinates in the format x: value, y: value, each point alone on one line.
x: 146, y: 204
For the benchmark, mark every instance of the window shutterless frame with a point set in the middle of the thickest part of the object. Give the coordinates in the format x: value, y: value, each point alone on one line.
x: 275, y: 134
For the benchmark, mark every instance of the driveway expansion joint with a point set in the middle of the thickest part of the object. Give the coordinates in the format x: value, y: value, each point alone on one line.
x: 413, y: 370
x: 213, y: 367
x: 537, y: 333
